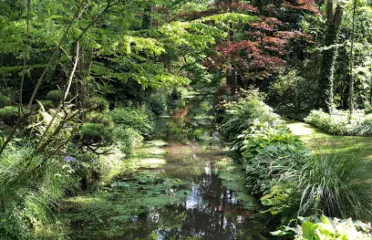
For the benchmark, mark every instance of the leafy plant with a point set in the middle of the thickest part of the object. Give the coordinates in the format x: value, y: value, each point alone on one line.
x: 96, y: 133
x: 242, y: 114
x: 339, y: 124
x: 98, y: 117
x: 133, y: 118
x: 128, y: 139
x: 273, y: 162
x: 98, y: 104
x: 335, y: 184
x: 9, y: 115
x: 55, y: 96
x: 328, y: 228
x: 5, y: 101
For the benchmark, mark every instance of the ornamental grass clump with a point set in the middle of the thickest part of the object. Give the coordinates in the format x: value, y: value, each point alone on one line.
x: 337, y: 185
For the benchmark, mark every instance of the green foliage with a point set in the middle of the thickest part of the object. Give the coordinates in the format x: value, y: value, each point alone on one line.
x: 30, y: 188
x: 263, y: 135
x: 98, y: 117
x: 98, y: 104
x: 327, y: 228
x: 9, y: 115
x: 337, y: 185
x: 241, y: 115
x: 339, y: 124
x: 47, y: 104
x: 272, y: 162
x: 128, y: 139
x: 55, y: 96
x: 158, y: 102
x: 134, y: 118
x: 96, y: 133
x: 14, y: 226
x: 292, y: 95
x: 280, y: 200
x: 5, y: 101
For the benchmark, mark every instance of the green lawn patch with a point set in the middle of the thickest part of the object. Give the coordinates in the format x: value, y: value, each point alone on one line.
x: 319, y: 141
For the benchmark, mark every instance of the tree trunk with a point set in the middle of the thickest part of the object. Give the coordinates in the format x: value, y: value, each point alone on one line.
x: 147, y: 17
x: 329, y: 56
x: 351, y: 84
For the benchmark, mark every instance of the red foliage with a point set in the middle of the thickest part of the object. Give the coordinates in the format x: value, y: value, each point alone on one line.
x: 266, y: 24
x: 304, y: 5
x: 274, y: 44
x: 243, y: 6
x: 267, y: 62
x: 262, y: 26
x: 236, y: 47
x: 261, y: 53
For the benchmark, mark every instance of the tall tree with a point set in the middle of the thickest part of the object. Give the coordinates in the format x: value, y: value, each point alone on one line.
x: 326, y: 78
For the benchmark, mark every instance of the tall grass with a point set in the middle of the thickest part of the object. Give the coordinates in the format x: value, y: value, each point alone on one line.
x: 29, y: 190
x: 337, y: 185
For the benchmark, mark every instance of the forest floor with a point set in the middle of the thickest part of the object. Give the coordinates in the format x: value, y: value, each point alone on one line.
x: 322, y: 142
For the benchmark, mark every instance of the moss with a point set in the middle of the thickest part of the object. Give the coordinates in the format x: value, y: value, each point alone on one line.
x: 5, y: 101
x: 9, y: 115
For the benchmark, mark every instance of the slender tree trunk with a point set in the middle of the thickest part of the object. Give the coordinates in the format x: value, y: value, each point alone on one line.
x: 147, y: 18
x: 351, y: 84
x: 329, y: 56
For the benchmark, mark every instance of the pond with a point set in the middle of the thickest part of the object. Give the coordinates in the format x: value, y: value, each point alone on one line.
x: 208, y: 209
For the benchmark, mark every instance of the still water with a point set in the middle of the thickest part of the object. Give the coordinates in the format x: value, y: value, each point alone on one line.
x: 209, y: 211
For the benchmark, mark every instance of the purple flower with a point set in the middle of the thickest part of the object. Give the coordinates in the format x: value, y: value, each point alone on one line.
x: 69, y: 159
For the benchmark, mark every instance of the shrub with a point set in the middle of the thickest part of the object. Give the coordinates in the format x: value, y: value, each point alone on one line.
x: 97, y: 117
x: 96, y: 133
x: 30, y: 187
x: 242, y: 114
x: 272, y: 163
x: 128, y: 139
x: 5, y: 101
x: 133, y: 118
x: 292, y: 95
x: 262, y: 135
x: 338, y: 185
x: 158, y: 102
x: 339, y: 124
x: 98, y: 104
x: 331, y: 124
x: 55, y: 96
x: 364, y: 128
x: 327, y: 228
x: 13, y: 225
x: 9, y: 115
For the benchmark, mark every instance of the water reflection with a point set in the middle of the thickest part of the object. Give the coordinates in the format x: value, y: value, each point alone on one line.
x: 210, y: 211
